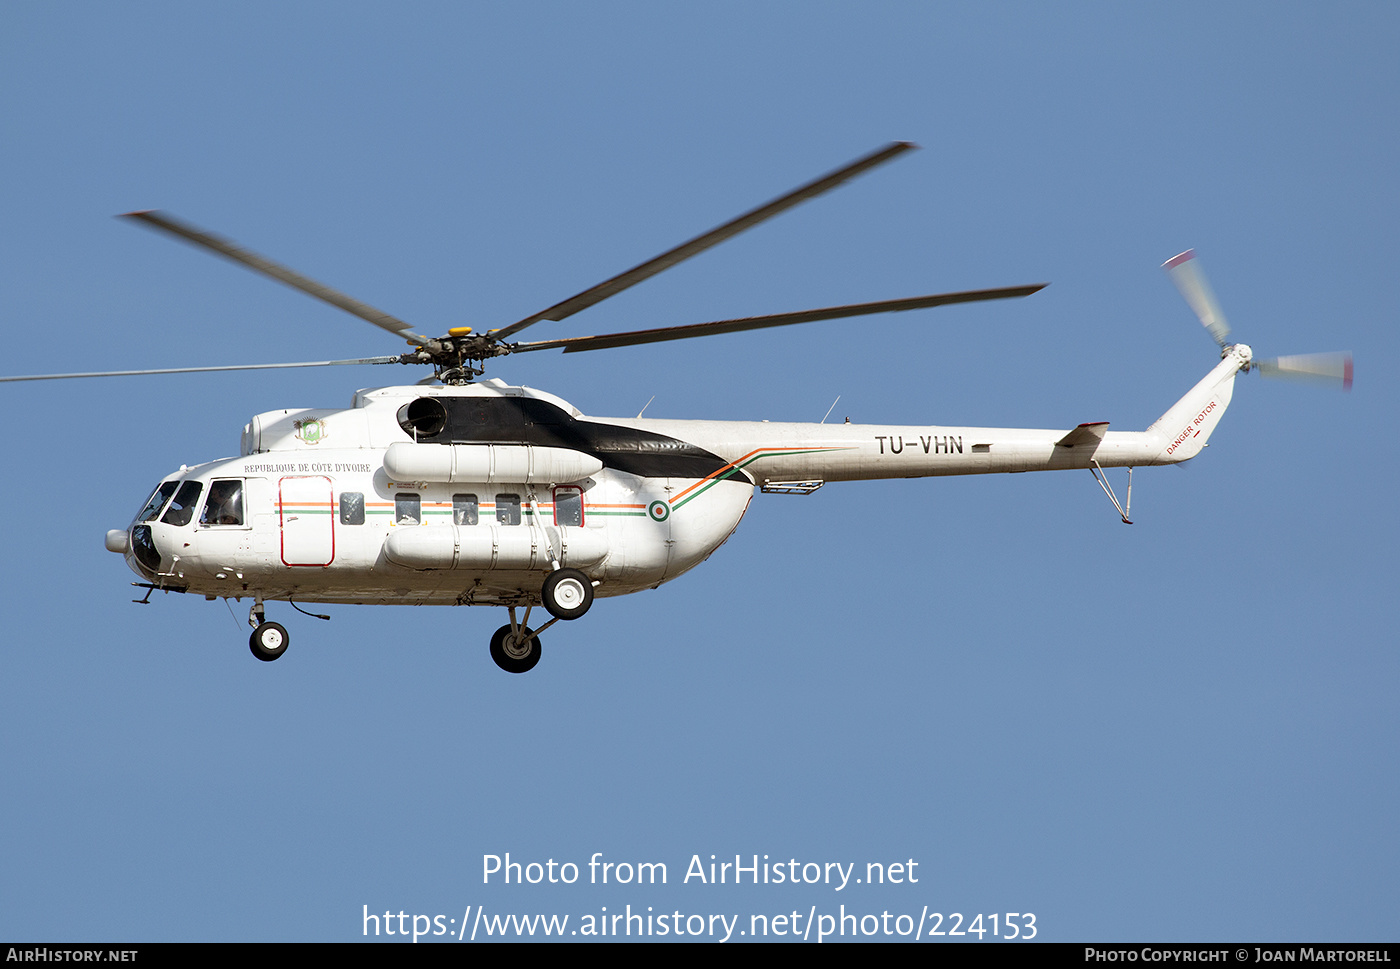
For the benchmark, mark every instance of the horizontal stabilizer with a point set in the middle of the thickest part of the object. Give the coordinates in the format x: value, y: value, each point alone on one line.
x: 1091, y: 434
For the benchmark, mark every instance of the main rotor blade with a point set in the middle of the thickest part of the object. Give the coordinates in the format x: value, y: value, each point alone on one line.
x: 704, y: 241
x: 608, y: 340
x: 231, y: 250
x: 1330, y: 367
x: 1191, y: 282
x: 246, y: 366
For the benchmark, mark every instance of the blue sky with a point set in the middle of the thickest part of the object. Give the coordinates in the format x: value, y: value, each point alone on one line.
x: 1183, y: 730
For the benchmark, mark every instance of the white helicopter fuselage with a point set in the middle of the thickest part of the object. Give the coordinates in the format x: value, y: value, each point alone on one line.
x: 486, y: 494
x: 473, y: 494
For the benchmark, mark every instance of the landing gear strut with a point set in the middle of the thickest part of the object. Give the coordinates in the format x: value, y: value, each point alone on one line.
x: 567, y: 594
x: 516, y: 647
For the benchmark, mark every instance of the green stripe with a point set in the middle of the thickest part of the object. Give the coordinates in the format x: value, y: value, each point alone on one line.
x: 762, y: 454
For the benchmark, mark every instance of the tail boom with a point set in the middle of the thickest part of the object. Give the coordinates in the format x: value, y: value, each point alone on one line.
x: 781, y: 452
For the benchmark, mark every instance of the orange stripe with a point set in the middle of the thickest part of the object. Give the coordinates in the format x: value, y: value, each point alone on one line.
x: 735, y: 463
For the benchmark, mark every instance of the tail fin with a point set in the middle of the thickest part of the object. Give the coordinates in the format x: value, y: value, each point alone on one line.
x: 1185, y: 428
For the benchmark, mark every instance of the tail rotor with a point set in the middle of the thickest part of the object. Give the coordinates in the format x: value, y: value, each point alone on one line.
x: 1190, y: 280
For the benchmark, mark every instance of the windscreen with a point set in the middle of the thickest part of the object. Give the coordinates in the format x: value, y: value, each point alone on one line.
x: 157, y: 501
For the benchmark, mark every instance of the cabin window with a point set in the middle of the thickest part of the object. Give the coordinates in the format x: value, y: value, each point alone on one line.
x: 181, y: 510
x: 225, y: 503
x: 507, y: 509
x: 408, y: 509
x: 157, y: 501
x: 568, y: 506
x: 352, y: 508
x: 464, y: 510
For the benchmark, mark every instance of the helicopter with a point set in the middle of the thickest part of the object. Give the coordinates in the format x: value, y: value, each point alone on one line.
x: 459, y: 490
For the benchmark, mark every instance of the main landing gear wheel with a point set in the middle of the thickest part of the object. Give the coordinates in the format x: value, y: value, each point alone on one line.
x: 515, y: 653
x: 268, y: 641
x: 567, y: 593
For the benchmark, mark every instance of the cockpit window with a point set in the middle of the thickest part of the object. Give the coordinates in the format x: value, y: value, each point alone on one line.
x: 224, y: 505
x: 157, y: 501
x: 181, y: 510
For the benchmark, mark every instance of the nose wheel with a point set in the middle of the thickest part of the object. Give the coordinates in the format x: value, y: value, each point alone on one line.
x: 268, y: 641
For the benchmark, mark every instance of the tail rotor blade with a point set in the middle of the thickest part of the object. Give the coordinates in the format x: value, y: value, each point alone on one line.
x: 1329, y: 367
x: 1191, y: 282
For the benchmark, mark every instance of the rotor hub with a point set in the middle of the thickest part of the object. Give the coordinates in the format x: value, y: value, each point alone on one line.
x: 457, y: 357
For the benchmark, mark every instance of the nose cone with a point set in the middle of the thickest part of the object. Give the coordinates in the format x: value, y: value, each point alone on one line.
x: 143, y: 556
x: 116, y: 541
